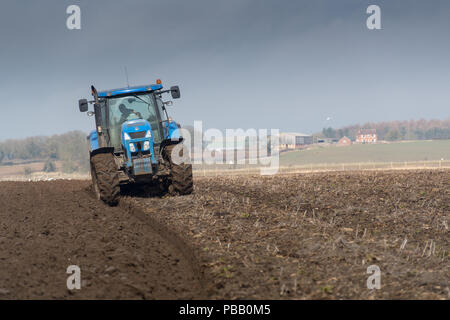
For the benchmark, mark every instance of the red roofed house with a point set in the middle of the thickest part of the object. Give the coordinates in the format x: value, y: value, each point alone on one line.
x: 366, y: 136
x: 344, y: 141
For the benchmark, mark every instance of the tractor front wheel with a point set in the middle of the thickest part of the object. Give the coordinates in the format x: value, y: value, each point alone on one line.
x: 105, y: 178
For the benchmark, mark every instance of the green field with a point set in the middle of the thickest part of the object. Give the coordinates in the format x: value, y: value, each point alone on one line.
x: 358, y: 153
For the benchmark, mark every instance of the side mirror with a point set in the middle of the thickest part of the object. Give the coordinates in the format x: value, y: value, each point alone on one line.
x: 83, y: 104
x: 175, y: 92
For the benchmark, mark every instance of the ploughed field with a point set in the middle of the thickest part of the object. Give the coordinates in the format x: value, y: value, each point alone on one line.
x: 305, y: 236
x: 47, y: 226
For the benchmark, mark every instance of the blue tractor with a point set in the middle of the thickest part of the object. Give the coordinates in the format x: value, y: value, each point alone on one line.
x: 135, y: 142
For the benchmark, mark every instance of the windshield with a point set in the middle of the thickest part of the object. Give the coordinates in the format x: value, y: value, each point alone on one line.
x: 131, y: 108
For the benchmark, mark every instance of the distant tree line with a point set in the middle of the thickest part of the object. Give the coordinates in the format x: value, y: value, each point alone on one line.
x: 396, y: 130
x: 70, y: 148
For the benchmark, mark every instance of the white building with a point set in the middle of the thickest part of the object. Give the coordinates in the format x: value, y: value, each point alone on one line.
x: 294, y: 140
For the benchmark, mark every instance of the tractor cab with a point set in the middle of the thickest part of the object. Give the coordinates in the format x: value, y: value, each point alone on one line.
x: 116, y: 110
x: 123, y: 112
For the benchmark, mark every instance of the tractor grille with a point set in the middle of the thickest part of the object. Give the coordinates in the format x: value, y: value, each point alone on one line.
x: 137, y: 135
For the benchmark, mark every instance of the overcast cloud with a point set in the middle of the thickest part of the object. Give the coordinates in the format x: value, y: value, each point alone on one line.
x: 239, y: 63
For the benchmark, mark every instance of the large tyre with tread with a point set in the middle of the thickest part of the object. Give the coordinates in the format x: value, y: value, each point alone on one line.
x: 180, y: 174
x: 105, y: 178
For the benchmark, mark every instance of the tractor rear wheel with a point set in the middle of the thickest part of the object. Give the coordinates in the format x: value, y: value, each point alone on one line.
x: 105, y: 178
x: 180, y: 174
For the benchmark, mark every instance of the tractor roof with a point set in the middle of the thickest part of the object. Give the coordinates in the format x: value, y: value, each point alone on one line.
x: 128, y: 90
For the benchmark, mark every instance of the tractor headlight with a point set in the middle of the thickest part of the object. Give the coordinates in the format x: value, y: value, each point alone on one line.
x: 126, y: 136
x: 146, y: 145
x: 148, y: 135
x: 132, y: 147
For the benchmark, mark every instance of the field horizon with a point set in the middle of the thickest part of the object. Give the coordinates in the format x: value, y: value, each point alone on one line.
x: 418, y: 150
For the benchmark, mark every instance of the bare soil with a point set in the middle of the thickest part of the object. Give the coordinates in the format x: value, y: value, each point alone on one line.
x: 303, y: 236
x: 47, y: 226
x: 313, y: 236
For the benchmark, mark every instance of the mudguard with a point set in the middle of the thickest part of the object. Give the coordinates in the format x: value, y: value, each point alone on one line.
x: 93, y: 141
x: 102, y: 150
x: 172, y: 130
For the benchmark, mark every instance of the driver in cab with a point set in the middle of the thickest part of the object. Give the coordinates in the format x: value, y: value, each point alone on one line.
x: 127, y: 112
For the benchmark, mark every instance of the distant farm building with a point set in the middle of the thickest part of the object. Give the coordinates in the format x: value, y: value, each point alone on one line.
x: 293, y: 140
x: 344, y: 141
x: 366, y: 136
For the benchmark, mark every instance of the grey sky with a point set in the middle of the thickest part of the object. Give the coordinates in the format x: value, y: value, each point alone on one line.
x: 239, y: 63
